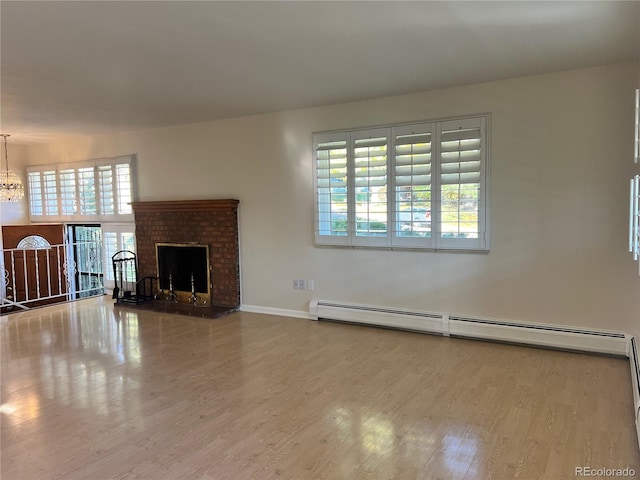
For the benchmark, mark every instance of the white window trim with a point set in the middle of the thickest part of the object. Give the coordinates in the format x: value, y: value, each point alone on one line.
x: 435, y: 243
x: 79, y: 217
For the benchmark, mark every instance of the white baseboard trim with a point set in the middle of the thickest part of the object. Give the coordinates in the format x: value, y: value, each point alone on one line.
x: 448, y: 324
x: 540, y: 335
x: 426, y: 322
x: 276, y: 311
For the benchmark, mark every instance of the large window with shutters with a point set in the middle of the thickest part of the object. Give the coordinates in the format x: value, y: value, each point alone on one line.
x: 98, y: 190
x: 420, y: 185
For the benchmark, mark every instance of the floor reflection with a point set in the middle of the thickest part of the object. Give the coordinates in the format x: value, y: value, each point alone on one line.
x: 377, y: 435
x: 458, y: 453
x: 72, y: 363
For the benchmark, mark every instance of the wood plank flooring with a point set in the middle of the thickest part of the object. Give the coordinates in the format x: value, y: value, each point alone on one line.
x: 89, y: 392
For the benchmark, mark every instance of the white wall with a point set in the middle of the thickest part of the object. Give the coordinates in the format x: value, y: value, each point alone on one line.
x: 561, y: 159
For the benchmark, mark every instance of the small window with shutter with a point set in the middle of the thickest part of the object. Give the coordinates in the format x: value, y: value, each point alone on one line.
x: 124, y: 188
x: 68, y: 197
x: 369, y: 173
x: 331, y: 188
x: 43, y: 192
x: 461, y: 182
x: 105, y: 176
x: 87, y: 191
x: 50, y: 192
x: 35, y: 193
x: 412, y: 185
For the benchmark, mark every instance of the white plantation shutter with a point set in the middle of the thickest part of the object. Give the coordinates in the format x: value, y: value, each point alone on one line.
x: 332, y: 190
x: 87, y: 191
x: 38, y: 191
x: 421, y: 185
x: 68, y: 194
x: 461, y: 177
x: 369, y: 172
x: 35, y: 193
x: 116, y: 190
x: 50, y: 192
x: 634, y: 218
x: 634, y: 206
x: 100, y: 190
x: 460, y: 156
x: 107, y: 202
x: 412, y: 185
x: 124, y: 188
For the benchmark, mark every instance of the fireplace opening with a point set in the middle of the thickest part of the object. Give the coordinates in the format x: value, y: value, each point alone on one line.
x: 183, y: 272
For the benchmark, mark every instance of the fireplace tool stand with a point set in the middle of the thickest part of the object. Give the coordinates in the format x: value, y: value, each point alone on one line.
x: 127, y: 288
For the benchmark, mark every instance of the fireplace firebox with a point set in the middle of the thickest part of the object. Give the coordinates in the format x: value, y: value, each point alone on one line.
x: 184, y: 273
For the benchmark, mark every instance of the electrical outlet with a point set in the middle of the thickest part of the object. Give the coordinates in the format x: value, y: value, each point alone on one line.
x: 301, y: 285
x: 311, y: 284
x: 296, y: 285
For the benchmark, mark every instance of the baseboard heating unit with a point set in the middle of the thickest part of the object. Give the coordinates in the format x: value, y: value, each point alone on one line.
x: 635, y: 381
x: 446, y: 324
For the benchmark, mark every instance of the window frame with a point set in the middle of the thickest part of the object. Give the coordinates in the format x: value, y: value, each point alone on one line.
x: 77, y: 198
x: 392, y: 241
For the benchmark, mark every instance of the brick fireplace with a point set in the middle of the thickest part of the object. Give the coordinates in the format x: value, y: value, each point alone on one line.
x: 205, y: 222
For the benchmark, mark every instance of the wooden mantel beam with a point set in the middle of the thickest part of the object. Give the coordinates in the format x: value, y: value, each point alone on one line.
x: 185, y: 205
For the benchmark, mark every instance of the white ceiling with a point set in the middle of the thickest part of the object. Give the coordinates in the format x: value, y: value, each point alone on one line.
x: 93, y: 67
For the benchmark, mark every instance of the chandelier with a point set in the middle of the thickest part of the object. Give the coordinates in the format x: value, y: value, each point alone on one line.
x: 11, y: 187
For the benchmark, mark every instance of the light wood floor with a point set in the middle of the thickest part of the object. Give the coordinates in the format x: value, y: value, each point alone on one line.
x: 89, y: 392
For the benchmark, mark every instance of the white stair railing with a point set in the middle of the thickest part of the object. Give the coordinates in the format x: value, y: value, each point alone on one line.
x: 36, y: 274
